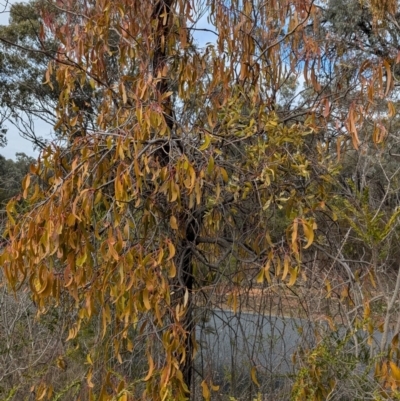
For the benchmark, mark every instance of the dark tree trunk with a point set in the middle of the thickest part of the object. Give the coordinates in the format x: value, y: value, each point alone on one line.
x: 184, y: 281
x: 188, y: 281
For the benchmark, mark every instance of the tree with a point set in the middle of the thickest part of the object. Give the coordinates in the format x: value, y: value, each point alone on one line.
x: 23, y: 63
x: 11, y: 175
x: 193, y: 174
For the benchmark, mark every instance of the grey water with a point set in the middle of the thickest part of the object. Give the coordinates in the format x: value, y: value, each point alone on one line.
x: 262, y: 340
x: 232, y: 343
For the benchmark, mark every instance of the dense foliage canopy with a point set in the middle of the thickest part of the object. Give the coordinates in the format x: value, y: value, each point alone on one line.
x: 264, y: 160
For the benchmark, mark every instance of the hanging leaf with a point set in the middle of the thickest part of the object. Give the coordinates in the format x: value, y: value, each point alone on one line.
x: 293, y: 276
x: 286, y: 266
x: 205, y: 390
x: 173, y: 223
x: 151, y: 368
x: 388, y: 77
x: 308, y: 227
x: 206, y: 144
x: 254, y: 376
x: 295, y: 226
x: 171, y: 250
x: 395, y: 371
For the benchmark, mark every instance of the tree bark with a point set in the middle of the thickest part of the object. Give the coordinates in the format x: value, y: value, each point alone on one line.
x: 162, y: 13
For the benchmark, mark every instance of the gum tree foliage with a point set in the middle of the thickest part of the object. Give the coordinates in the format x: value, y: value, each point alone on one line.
x: 11, y: 175
x: 173, y: 163
x: 23, y: 62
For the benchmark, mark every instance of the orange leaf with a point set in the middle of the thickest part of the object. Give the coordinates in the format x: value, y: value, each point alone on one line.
x: 308, y: 232
x: 294, y: 234
x: 286, y: 266
x: 352, y: 128
x: 388, y: 77
x: 254, y: 376
x: 25, y: 185
x: 392, y: 109
x: 293, y: 276
x: 171, y: 250
x: 327, y: 108
x: 151, y: 368
x: 146, y: 301
x: 173, y: 223
x: 205, y: 390
x: 395, y: 371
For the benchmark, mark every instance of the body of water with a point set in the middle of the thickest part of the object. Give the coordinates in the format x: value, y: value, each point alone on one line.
x: 231, y: 344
